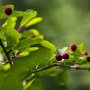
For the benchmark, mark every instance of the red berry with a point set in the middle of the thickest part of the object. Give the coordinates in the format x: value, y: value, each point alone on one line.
x: 88, y: 58
x: 58, y: 57
x: 31, y: 36
x: 65, y: 56
x: 8, y: 11
x: 73, y: 47
x: 84, y: 53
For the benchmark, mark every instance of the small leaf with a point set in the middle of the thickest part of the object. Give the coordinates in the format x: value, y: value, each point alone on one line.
x: 28, y: 15
x: 23, y: 54
x: 34, y: 21
x: 80, y: 47
x: 32, y: 49
x: 27, y: 52
x: 24, y: 44
x: 17, y: 14
x: 31, y: 32
x: 11, y: 22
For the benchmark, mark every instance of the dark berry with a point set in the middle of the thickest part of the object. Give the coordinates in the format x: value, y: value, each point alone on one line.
x: 73, y: 47
x: 31, y: 36
x: 58, y: 57
x: 84, y: 53
x: 65, y: 56
x: 88, y: 58
x: 8, y: 11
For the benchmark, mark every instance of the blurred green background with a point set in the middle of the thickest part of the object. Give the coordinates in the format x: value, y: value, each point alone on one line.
x: 64, y: 22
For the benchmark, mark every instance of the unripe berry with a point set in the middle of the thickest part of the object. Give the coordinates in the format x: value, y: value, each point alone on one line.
x: 65, y: 56
x: 84, y: 53
x: 73, y: 47
x: 58, y: 57
x: 8, y: 11
x: 31, y: 36
x: 88, y: 58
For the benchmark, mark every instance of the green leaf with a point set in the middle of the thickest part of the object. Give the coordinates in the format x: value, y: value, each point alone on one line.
x: 2, y: 36
x: 38, y: 58
x: 28, y: 84
x: 17, y: 14
x: 49, y: 45
x: 27, y: 51
x: 23, y: 54
x: 80, y: 47
x: 32, y: 49
x: 11, y: 22
x: 36, y: 85
x: 8, y: 81
x: 2, y: 13
x: 34, y: 21
x: 28, y: 15
x: 31, y: 32
x: 11, y: 34
x: 24, y: 44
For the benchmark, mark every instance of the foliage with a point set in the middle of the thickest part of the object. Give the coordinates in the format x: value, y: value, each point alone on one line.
x: 29, y: 62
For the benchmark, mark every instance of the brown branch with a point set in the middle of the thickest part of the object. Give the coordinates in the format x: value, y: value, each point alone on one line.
x: 21, y: 29
x: 55, y: 65
x: 6, y: 53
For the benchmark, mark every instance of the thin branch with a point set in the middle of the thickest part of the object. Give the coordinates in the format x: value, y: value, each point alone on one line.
x: 9, y: 51
x: 6, y: 53
x: 55, y: 65
x: 21, y: 29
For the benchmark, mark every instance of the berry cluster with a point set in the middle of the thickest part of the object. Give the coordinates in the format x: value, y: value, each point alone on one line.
x: 72, y: 48
x: 59, y: 57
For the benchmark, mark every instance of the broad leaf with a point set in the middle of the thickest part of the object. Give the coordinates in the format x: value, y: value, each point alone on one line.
x: 9, y: 81
x: 49, y: 45
x: 11, y: 34
x: 36, y: 58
